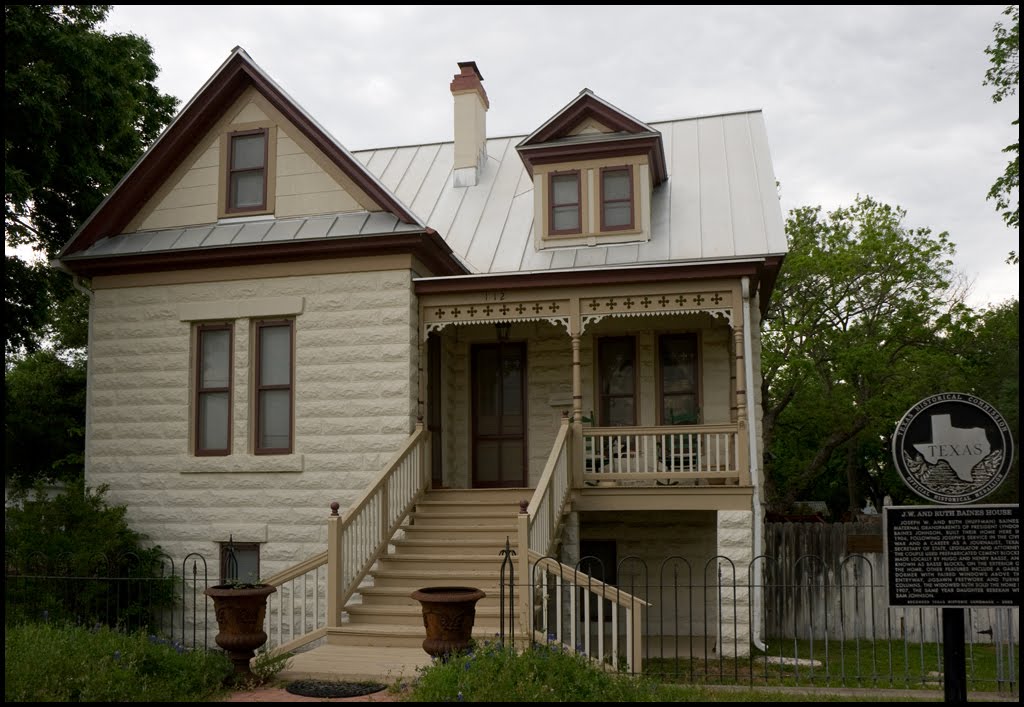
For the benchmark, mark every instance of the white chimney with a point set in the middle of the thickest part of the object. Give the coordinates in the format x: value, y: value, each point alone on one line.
x: 471, y: 106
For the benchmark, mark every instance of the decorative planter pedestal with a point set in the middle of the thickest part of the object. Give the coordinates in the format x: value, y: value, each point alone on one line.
x: 240, y: 615
x: 448, y: 617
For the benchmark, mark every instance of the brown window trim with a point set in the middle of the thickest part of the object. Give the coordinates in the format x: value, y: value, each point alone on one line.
x: 601, y: 420
x: 258, y: 387
x: 551, y: 203
x: 628, y: 168
x: 200, y: 390
x: 229, y: 208
x: 661, y: 392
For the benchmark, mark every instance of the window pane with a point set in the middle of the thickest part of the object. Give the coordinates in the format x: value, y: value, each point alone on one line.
x: 214, y: 351
x: 618, y: 412
x: 241, y: 562
x: 566, y: 218
x: 275, y: 419
x: 247, y: 151
x: 617, y: 215
x: 617, y: 366
x: 487, y: 461
x: 565, y: 189
x: 213, y: 421
x: 275, y: 355
x: 247, y: 189
x: 616, y: 185
x: 679, y: 409
x: 678, y: 364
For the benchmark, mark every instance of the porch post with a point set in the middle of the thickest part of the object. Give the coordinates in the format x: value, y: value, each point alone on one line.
x: 335, y: 563
x: 576, y: 432
x: 742, y: 439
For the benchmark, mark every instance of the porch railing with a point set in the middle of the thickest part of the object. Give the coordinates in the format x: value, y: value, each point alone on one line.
x: 668, y: 455
x: 312, y: 594
x: 580, y: 613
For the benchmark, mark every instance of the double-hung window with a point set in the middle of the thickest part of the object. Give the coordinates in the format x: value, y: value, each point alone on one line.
x: 247, y: 171
x: 617, y: 198
x: 213, y: 389
x: 565, y: 215
x: 273, y: 387
x: 677, y: 361
x: 616, y: 362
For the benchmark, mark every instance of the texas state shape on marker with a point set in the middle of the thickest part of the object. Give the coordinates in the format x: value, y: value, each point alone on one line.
x: 961, y: 447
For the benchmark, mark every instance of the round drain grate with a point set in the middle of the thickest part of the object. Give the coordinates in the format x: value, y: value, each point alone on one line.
x: 323, y: 688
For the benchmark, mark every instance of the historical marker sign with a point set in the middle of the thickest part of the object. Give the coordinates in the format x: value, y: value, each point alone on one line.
x: 953, y: 557
x: 952, y: 448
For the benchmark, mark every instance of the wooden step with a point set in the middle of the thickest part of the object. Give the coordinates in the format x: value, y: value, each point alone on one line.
x: 402, y: 596
x: 416, y: 578
x: 441, y: 563
x: 454, y: 547
x: 446, y: 533
x: 396, y: 615
x: 496, y: 519
x: 395, y: 636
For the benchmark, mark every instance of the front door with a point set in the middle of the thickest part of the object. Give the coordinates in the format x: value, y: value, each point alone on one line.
x: 499, y: 415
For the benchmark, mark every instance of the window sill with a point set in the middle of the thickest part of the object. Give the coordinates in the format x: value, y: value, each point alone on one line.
x: 243, y: 464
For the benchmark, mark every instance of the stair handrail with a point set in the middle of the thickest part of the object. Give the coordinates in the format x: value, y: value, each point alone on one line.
x: 379, y: 514
x: 549, y: 498
x: 415, y: 447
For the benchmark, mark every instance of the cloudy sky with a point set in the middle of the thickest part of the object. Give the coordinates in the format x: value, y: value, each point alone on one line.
x: 885, y: 101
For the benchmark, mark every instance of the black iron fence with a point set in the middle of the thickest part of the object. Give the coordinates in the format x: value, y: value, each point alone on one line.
x: 809, y: 621
x: 121, y: 592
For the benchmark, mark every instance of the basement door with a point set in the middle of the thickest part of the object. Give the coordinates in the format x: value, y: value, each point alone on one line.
x: 499, y: 415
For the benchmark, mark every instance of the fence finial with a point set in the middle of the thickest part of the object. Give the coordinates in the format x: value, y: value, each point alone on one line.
x: 524, y: 505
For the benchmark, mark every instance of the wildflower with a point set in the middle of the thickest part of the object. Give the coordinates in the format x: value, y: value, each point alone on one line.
x: 117, y: 656
x: 466, y: 666
x: 460, y: 697
x: 46, y: 615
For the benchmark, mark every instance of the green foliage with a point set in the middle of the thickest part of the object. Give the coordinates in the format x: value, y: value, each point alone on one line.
x: 44, y: 419
x: 493, y: 673
x: 74, y: 558
x: 54, y: 663
x: 267, y: 664
x: 79, y: 107
x: 857, y: 331
x: 1003, y: 75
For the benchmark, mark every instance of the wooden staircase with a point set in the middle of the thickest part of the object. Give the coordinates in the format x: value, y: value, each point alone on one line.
x: 452, y: 537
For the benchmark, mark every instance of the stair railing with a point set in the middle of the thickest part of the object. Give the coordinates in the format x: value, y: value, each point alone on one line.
x: 311, y: 595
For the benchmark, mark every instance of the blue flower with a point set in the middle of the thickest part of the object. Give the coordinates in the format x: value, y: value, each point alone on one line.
x: 117, y: 656
x: 460, y: 697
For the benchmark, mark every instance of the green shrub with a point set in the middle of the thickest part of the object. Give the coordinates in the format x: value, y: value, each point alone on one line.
x: 75, y: 558
x: 52, y: 663
x: 543, y: 673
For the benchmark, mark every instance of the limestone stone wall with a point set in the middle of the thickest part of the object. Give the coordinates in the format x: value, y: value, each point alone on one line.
x: 355, y: 390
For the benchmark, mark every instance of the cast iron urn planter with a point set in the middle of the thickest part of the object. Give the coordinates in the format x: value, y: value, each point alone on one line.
x: 240, y: 613
x: 448, y: 616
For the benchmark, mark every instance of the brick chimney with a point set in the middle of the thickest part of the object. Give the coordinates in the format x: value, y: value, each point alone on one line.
x: 471, y: 106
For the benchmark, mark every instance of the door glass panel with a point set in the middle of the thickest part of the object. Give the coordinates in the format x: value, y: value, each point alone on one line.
x: 488, y: 461
x: 512, y: 462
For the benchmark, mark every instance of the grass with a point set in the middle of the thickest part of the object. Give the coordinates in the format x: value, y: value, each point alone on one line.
x: 492, y: 673
x: 858, y: 664
x: 52, y: 663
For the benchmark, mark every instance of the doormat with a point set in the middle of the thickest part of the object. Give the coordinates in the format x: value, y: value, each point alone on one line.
x: 324, y: 688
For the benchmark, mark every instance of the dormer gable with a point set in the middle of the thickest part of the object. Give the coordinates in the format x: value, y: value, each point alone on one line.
x: 240, y: 148
x: 593, y: 168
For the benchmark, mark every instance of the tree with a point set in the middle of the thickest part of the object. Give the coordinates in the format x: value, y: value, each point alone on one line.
x: 44, y: 419
x: 1003, y: 75
x: 857, y: 331
x: 79, y: 108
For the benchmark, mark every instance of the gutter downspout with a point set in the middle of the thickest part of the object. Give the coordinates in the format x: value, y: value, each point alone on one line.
x: 755, y: 471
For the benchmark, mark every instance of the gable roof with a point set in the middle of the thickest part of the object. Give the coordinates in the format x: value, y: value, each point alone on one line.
x: 233, y: 77
x: 554, y: 142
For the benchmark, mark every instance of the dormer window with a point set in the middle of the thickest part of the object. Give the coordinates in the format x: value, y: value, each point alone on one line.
x: 565, y: 214
x: 617, y: 198
x: 247, y: 171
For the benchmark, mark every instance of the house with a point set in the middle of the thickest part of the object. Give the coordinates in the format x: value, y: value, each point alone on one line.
x: 427, y: 335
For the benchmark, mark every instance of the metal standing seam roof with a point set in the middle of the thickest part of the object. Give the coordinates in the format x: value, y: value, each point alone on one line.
x: 719, y: 203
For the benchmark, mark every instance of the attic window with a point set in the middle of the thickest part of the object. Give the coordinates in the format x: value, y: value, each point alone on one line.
x: 617, y: 198
x: 247, y: 171
x: 565, y: 211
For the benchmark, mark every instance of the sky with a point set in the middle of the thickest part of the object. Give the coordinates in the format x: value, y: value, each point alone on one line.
x: 884, y: 101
